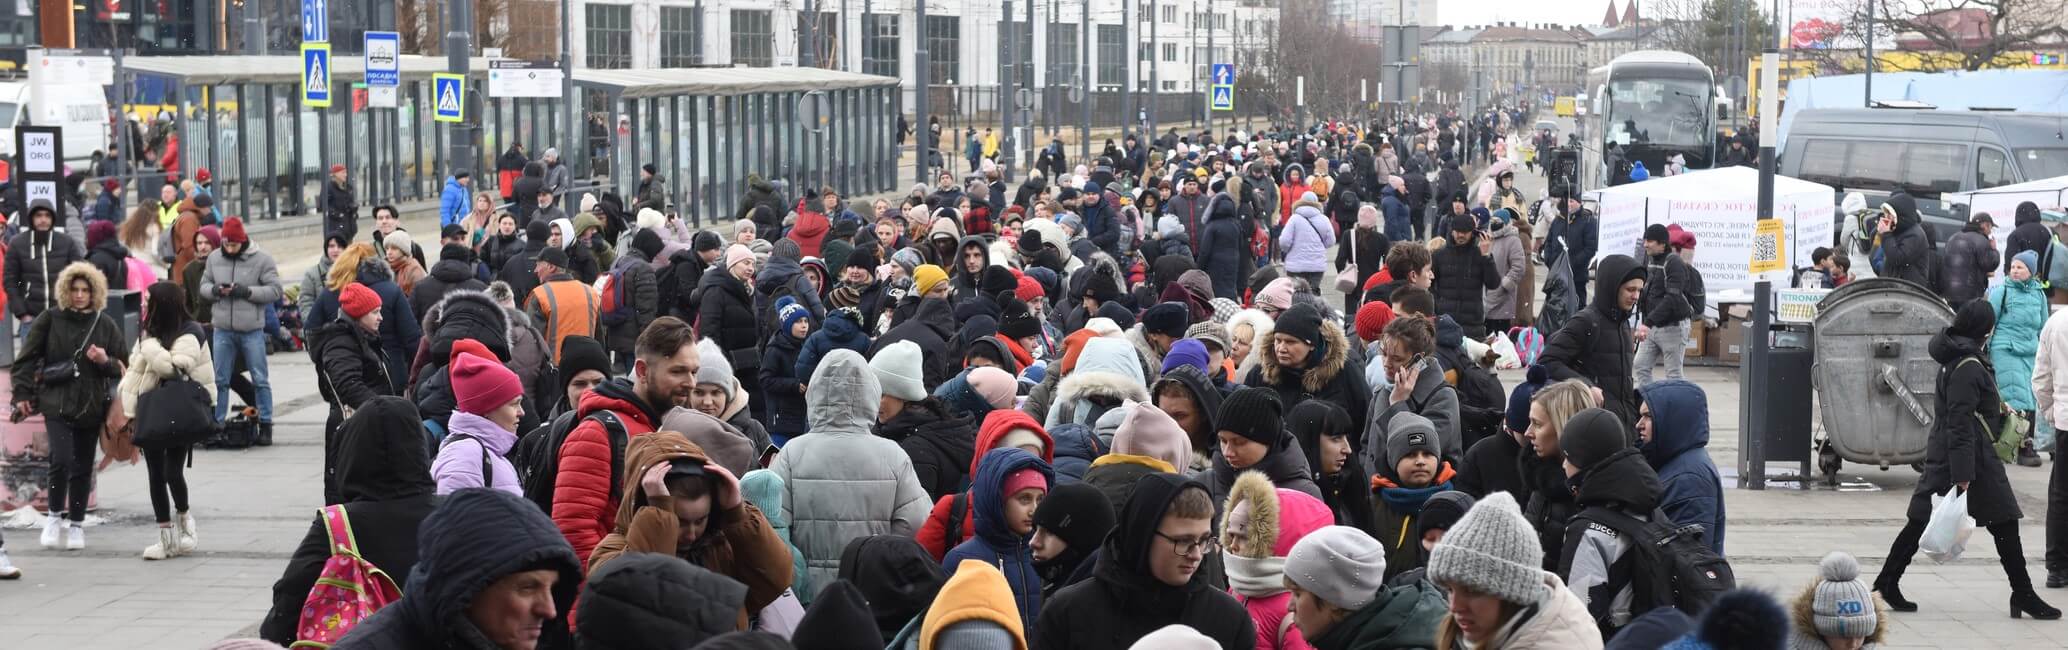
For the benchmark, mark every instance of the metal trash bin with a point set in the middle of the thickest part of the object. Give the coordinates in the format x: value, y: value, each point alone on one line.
x: 1874, y: 375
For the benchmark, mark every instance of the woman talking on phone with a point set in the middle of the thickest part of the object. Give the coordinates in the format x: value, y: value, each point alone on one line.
x: 68, y: 363
x: 1409, y: 354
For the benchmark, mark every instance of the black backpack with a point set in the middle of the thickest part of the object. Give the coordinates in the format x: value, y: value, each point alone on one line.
x: 1669, y: 565
x: 541, y: 454
x: 1481, y: 406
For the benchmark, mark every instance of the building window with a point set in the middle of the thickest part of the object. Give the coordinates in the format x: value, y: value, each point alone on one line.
x: 1022, y: 47
x: 1145, y: 13
x: 610, y: 35
x: 880, y: 44
x: 682, y: 37
x: 1170, y: 14
x: 1170, y: 52
x: 753, y: 37
x: 1112, y: 52
x: 1062, y: 54
x: 830, y: 52
x: 944, y: 61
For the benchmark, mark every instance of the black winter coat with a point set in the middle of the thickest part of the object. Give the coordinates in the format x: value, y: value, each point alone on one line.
x: 60, y: 334
x: 1596, y: 346
x: 1960, y: 449
x: 941, y: 445
x: 1221, y: 248
x: 931, y: 326
x: 351, y: 367
x: 779, y: 385
x: 1907, y: 250
x: 1463, y: 276
x: 518, y: 270
x: 1490, y: 466
x: 1673, y: 291
x: 444, y: 277
x: 1965, y: 265
x: 498, y: 250
x: 33, y: 262
x: 109, y: 257
x: 525, y: 192
x: 1547, y: 503
x: 725, y: 313
x: 644, y: 294
x: 1370, y: 248
x: 384, y: 473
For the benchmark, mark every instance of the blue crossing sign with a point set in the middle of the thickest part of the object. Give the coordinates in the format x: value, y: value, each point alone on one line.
x: 449, y: 97
x: 1223, y: 98
x: 1221, y: 92
x: 316, y: 75
x: 315, y: 21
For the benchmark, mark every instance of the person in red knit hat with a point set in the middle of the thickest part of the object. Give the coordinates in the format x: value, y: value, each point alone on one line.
x: 489, y: 399
x: 1371, y: 321
x: 347, y: 350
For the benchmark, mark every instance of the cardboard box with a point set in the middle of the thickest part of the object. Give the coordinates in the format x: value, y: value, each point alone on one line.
x: 1730, y: 343
x: 1697, y: 334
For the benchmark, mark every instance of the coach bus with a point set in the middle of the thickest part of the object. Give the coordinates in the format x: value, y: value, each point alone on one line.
x: 1648, y: 106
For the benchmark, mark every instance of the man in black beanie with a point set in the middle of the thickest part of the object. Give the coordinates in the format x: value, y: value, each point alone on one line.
x: 518, y: 272
x: 1160, y: 326
x: 1439, y: 513
x: 1673, y: 296
x: 1118, y: 313
x: 454, y: 270
x: 1605, y: 473
x: 1068, y: 525
x: 1020, y: 326
x: 1253, y: 437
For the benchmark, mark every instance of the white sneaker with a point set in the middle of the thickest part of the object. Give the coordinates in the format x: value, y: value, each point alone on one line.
x: 53, y: 528
x: 166, y: 547
x: 75, y: 538
x: 7, y: 569
x: 183, y: 525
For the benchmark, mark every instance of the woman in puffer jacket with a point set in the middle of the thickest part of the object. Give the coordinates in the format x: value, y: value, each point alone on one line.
x: 1259, y: 529
x: 170, y: 347
x: 2021, y: 308
x: 489, y: 400
x: 1306, y: 238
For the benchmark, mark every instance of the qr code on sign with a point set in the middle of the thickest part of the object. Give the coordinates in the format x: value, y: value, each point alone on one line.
x: 1766, y: 248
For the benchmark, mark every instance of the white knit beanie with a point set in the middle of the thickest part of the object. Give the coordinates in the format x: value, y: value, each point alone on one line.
x: 897, y: 368
x: 1493, y: 550
x: 1176, y: 637
x: 1342, y: 565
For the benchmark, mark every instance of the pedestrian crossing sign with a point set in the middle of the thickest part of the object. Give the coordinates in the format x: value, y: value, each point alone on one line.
x: 1224, y: 98
x: 450, y: 94
x: 316, y: 75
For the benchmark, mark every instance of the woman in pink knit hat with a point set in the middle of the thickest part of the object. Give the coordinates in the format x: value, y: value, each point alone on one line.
x: 483, y: 428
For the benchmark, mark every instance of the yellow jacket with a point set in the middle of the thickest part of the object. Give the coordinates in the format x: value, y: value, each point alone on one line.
x: 991, y: 145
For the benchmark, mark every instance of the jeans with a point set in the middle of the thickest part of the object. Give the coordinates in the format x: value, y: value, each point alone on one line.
x: 1669, y: 342
x: 167, y: 470
x: 229, y: 347
x: 71, y: 464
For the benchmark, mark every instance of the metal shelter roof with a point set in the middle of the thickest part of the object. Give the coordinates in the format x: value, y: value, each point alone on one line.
x: 665, y: 82
x: 275, y: 69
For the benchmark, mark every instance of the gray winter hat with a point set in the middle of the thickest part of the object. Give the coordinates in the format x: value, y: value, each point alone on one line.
x: 1492, y: 550
x: 1843, y: 606
x: 1342, y: 565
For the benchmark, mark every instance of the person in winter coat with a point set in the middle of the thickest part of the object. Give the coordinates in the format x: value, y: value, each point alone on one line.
x: 1293, y: 189
x: 1906, y: 244
x: 1187, y: 396
x: 400, y: 330
x: 640, y: 296
x: 384, y: 479
x: 473, y: 321
x: 1004, y: 493
x: 842, y: 331
x: 1306, y: 238
x: 899, y: 580
x: 452, y: 201
x: 2027, y: 234
x: 353, y: 370
x: 1148, y: 577
x: 725, y: 313
x: 1147, y: 441
x: 1394, y: 214
x: 1571, y: 241
x: 245, y: 284
x: 490, y: 401
x: 525, y: 191
x: 1252, y: 435
x: 495, y: 570
x: 652, y: 600
x: 1221, y: 244
x: 1673, y: 296
x: 764, y: 490
x: 675, y: 500
x: 77, y: 331
x: 782, y: 390
x: 719, y: 394
x: 1837, y: 610
x: 931, y: 326
x: 1324, y: 431
x: 585, y: 489
x: 653, y: 190
x: 1309, y: 358
x: 1961, y: 454
x: 407, y: 271
x: 171, y: 346
x: 1673, y: 433
x: 1510, y: 255
x: 454, y: 270
x: 1107, y: 372
x: 107, y: 255
x: 1492, y: 464
x: 1501, y: 598
x: 783, y: 275
x: 1259, y: 526
x: 1968, y: 262
x: 35, y: 258
x: 1465, y: 276
x: 760, y: 193
x: 1596, y: 344
x: 1069, y: 525
x: 937, y: 442
x: 1604, y: 472
x: 1340, y: 601
x: 1365, y: 246
x: 945, y: 527
x: 1409, y: 350
x: 2021, y: 308
x: 1413, y: 473
x: 843, y: 482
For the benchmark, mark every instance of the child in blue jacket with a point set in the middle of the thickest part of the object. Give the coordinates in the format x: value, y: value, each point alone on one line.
x: 1009, y: 484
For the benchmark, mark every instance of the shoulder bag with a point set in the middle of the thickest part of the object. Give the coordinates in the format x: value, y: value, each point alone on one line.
x: 65, y: 370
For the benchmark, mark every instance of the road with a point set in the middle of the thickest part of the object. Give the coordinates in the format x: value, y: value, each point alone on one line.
x: 252, y: 506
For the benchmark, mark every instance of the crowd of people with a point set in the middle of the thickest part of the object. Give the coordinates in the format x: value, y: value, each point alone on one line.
x: 1110, y: 407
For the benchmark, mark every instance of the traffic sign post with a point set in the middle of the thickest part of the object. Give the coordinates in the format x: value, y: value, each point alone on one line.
x: 315, y: 21
x: 450, y: 97
x: 316, y: 75
x: 1221, y: 93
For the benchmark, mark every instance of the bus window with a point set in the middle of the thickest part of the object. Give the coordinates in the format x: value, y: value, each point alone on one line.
x: 1992, y: 168
x: 1932, y: 169
x: 2043, y: 163
x: 1875, y: 165
x: 1823, y: 161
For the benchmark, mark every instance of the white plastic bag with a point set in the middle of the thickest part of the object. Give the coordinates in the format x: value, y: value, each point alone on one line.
x: 1945, y: 536
x: 1504, y: 353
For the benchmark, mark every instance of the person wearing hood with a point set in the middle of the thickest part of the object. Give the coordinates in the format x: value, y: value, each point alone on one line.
x: 1605, y: 472
x: 525, y: 190
x: 1340, y: 601
x: 589, y: 250
x: 1673, y: 433
x: 1147, y: 576
x: 35, y: 258
x: 650, y: 600
x: 1308, y: 358
x: 1294, y: 190
x: 491, y: 571
x: 2021, y: 308
x: 1306, y: 237
x: 1220, y: 242
x: 1189, y: 398
x: 386, y: 491
x: 760, y: 194
x: 108, y: 255
x: 947, y: 522
x: 1004, y: 493
x: 1906, y: 243
x: 1837, y: 611
x: 1510, y: 254
x: 899, y: 580
x: 1107, y: 371
x: 843, y: 482
x: 2027, y: 234
x: 1414, y: 471
x: 585, y: 489
x: 676, y: 501
x: 1596, y: 345
x: 1500, y: 596
x: 78, y: 331
x: 784, y: 275
x: 1069, y: 525
x: 1961, y: 454
x: 1251, y: 432
x: 454, y: 270
x: 1259, y: 527
x: 782, y: 388
x: 490, y: 400
x: 719, y: 394
x: 1147, y: 441
x: 972, y: 257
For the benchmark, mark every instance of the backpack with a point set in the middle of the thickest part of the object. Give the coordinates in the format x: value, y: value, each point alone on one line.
x: 615, y: 306
x: 1481, y: 407
x: 347, y: 592
x: 957, y: 506
x: 541, y: 468
x: 1669, y: 565
x: 668, y: 283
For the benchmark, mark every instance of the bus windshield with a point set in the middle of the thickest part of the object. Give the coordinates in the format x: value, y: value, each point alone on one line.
x: 1660, y: 112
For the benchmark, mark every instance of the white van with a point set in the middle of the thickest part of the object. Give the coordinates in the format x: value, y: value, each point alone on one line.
x: 81, y: 109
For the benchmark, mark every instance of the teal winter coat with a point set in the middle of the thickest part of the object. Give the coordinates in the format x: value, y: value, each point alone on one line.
x: 2021, y: 309
x: 764, y: 489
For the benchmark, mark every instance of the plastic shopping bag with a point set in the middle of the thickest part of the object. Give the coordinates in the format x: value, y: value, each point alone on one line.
x: 1504, y: 353
x: 1945, y: 536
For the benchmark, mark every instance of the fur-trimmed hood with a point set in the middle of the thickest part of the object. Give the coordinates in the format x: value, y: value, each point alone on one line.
x: 1802, y: 615
x: 93, y: 276
x: 1255, y: 489
x: 1107, y: 368
x: 1261, y: 326
x: 472, y: 315
x: 1334, y: 353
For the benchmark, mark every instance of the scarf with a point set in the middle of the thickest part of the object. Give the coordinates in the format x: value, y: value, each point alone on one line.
x: 1255, y: 577
x: 1409, y: 501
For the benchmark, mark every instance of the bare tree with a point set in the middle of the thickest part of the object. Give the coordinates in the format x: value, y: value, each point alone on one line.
x: 1972, y: 34
x: 1334, y: 61
x: 422, y: 23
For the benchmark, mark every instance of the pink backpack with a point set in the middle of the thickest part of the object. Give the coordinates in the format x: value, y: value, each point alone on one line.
x: 140, y: 274
x: 1529, y: 344
x: 347, y: 592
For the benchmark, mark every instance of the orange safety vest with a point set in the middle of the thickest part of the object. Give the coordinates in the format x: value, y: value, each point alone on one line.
x: 562, y: 323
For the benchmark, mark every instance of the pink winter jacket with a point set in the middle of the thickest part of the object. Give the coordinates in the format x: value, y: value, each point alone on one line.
x: 1277, y: 518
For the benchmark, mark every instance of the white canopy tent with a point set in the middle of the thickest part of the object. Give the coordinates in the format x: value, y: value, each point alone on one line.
x: 1720, y: 206
x: 2001, y: 203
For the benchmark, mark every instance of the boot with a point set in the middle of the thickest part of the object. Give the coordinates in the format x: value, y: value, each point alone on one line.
x: 167, y: 546
x: 2026, y: 456
x: 53, y: 530
x: 2026, y: 602
x: 1892, y: 594
x: 265, y: 434
x: 2056, y: 579
x: 183, y: 527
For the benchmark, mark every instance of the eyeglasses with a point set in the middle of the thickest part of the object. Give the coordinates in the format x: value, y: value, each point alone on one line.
x: 1207, y: 545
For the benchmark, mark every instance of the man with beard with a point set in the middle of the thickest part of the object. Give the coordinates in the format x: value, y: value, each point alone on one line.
x: 664, y: 371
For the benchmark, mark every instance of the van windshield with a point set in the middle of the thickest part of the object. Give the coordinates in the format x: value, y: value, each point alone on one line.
x: 2043, y: 163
